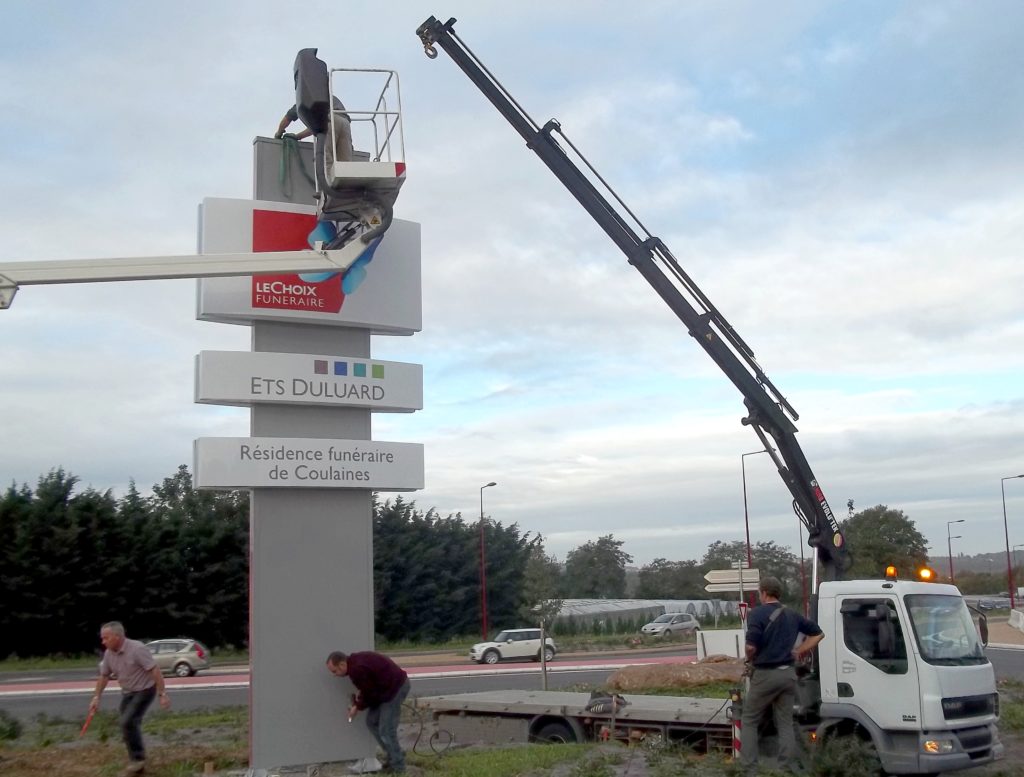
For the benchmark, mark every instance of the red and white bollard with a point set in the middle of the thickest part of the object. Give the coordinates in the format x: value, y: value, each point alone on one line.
x: 736, y: 716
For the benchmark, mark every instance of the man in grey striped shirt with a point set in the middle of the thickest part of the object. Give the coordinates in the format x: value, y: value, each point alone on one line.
x: 141, y: 681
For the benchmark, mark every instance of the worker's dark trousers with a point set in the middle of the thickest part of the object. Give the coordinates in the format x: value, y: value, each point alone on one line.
x: 773, y: 689
x: 383, y: 724
x: 133, y: 707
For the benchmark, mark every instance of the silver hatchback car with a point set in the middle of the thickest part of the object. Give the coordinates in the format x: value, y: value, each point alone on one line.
x: 672, y: 623
x: 183, y: 657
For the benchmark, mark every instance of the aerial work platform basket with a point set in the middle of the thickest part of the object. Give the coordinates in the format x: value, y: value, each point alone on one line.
x: 355, y: 115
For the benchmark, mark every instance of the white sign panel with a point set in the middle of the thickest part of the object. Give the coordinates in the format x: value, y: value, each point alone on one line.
x: 721, y: 588
x: 750, y: 576
x: 722, y: 642
x: 245, y: 378
x: 381, y: 291
x: 290, y: 462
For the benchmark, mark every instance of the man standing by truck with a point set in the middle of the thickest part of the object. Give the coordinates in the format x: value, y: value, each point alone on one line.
x: 772, y: 652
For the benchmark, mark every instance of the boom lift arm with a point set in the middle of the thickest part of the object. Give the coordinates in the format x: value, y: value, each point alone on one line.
x: 768, y: 412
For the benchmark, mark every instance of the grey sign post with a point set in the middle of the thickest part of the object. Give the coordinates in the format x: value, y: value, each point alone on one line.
x: 311, y: 530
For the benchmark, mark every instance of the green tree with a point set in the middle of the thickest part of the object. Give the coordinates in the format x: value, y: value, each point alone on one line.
x: 770, y: 559
x: 195, y: 577
x: 427, y: 573
x: 664, y: 579
x: 597, y: 569
x: 542, y: 582
x: 879, y: 536
x: 425, y: 581
x: 16, y: 509
x: 46, y: 547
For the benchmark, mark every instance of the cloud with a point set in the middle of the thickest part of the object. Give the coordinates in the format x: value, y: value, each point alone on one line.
x: 847, y: 195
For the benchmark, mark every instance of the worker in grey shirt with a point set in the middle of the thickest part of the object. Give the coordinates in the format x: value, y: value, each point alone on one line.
x: 141, y: 681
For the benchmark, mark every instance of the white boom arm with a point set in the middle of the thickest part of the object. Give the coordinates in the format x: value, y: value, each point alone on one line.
x: 16, y: 274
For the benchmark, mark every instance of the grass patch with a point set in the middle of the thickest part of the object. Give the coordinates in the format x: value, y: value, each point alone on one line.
x: 506, y: 762
x: 454, y: 645
x: 108, y: 760
x: 10, y: 726
x: 166, y: 723
x: 1011, y: 705
x: 90, y: 661
x: 48, y: 663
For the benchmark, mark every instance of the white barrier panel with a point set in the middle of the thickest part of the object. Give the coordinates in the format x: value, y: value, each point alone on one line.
x: 720, y: 642
x: 1017, y: 619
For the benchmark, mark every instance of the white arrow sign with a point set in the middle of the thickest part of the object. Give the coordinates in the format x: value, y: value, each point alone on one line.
x: 750, y: 577
x: 717, y: 588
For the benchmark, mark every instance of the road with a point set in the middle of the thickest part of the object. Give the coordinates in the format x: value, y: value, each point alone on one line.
x: 66, y: 693
x: 58, y: 695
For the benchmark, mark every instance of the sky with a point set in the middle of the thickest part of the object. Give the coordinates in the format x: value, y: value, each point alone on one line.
x: 844, y: 181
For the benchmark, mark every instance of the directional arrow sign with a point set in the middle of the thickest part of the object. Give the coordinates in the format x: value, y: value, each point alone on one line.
x: 717, y: 588
x: 750, y: 577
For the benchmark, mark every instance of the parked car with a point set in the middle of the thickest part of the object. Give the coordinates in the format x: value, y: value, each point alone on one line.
x: 994, y: 603
x: 183, y: 657
x: 672, y: 623
x: 512, y: 644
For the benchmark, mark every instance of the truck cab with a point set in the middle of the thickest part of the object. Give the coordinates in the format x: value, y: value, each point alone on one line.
x: 903, y: 666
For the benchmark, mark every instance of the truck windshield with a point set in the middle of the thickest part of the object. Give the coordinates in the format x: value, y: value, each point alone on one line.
x: 944, y: 630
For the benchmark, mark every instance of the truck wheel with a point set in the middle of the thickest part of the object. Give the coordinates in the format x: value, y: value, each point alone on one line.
x: 556, y: 733
x: 491, y: 657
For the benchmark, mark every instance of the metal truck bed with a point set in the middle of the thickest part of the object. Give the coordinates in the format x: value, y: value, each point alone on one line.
x: 653, y: 709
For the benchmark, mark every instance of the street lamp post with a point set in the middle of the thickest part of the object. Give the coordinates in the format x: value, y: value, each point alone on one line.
x: 746, y: 514
x: 483, y: 566
x: 949, y: 548
x: 1006, y: 532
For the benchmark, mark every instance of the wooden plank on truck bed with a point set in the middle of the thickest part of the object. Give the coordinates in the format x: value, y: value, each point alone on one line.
x: 661, y: 709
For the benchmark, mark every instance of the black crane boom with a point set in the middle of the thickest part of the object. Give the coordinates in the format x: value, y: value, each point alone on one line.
x: 768, y: 412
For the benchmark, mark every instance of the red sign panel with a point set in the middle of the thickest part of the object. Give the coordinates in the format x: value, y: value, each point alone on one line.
x: 283, y: 231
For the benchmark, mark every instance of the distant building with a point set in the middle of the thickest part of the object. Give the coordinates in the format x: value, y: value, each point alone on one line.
x: 585, y: 611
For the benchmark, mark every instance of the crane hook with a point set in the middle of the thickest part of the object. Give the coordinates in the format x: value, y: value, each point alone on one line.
x: 430, y: 51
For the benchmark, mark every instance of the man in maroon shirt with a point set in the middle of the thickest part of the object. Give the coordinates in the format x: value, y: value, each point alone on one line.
x: 381, y: 687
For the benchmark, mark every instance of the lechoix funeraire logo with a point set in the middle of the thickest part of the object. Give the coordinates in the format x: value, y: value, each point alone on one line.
x: 323, y: 292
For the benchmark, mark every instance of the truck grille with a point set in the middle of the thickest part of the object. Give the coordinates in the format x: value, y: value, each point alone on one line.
x: 975, y: 741
x: 969, y: 706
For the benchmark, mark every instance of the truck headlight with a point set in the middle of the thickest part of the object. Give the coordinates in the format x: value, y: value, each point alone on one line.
x: 938, y: 746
